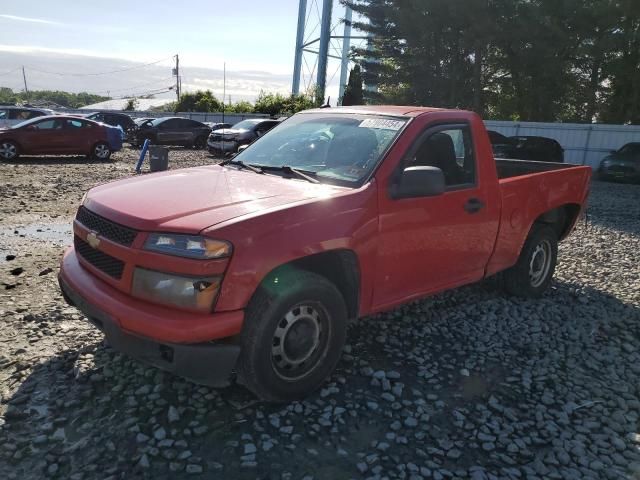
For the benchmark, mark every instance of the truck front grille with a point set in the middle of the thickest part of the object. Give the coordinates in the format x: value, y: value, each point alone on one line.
x: 106, y: 228
x: 103, y: 262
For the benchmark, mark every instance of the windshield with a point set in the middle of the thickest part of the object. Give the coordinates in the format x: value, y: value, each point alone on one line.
x: 630, y: 149
x: 246, y: 124
x: 335, y: 147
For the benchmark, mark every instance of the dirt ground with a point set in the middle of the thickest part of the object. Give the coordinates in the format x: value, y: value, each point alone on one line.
x: 468, y: 384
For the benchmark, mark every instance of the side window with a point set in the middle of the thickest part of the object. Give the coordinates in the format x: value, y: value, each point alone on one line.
x: 75, y: 124
x: 20, y: 114
x: 172, y: 124
x: 50, y: 124
x: 450, y: 150
x: 3, y: 114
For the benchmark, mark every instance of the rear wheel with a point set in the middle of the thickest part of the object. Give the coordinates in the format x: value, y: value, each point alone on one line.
x: 293, y: 335
x: 531, y: 276
x: 101, y: 151
x: 9, y: 150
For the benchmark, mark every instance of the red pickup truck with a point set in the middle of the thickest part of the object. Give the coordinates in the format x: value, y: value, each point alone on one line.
x: 254, y: 266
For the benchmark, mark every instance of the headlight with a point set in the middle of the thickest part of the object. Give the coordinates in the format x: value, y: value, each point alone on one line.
x: 190, y: 246
x: 196, y: 293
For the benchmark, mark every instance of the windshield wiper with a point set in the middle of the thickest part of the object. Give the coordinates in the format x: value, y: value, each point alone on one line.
x: 291, y: 171
x: 240, y: 164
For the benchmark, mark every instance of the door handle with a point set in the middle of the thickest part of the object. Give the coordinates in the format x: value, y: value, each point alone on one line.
x: 473, y: 205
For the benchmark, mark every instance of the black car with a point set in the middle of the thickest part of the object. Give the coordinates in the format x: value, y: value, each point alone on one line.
x: 217, y: 126
x: 173, y: 131
x: 622, y: 164
x: 230, y: 139
x: 121, y: 120
x: 540, y: 149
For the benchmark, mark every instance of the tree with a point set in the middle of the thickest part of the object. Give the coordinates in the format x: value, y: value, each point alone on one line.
x: 199, y: 101
x: 63, y: 99
x: 277, y: 104
x: 353, y: 94
x: 131, y: 105
x: 538, y: 60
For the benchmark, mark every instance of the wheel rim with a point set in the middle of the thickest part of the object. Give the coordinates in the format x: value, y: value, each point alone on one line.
x: 540, y: 263
x: 299, y: 341
x: 8, y: 150
x: 101, y: 151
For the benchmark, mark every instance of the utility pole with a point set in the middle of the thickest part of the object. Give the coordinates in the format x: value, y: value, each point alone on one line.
x: 224, y: 87
x: 177, y: 74
x: 24, y: 77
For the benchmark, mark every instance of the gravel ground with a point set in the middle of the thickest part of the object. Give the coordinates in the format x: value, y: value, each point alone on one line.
x: 467, y: 384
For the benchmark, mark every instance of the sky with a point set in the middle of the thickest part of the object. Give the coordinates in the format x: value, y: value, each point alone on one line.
x: 69, y: 45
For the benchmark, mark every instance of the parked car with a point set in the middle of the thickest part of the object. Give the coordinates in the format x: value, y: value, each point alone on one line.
x: 59, y: 135
x: 622, y: 164
x: 122, y: 120
x: 173, y: 131
x: 541, y: 149
x: 217, y: 126
x: 140, y: 120
x: 10, y: 116
x: 255, y: 265
x: 230, y: 139
x: 500, y: 144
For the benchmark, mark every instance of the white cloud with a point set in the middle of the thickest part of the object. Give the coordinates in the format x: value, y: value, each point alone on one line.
x: 29, y: 19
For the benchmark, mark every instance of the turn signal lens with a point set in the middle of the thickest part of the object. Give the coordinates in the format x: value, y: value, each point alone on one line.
x: 197, y: 293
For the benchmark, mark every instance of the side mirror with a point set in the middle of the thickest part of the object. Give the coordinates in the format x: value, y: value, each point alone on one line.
x: 419, y: 182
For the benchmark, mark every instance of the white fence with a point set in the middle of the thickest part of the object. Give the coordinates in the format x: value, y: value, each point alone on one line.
x: 583, y: 144
x: 215, y: 117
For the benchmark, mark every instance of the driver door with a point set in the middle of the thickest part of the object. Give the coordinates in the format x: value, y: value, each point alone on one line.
x: 431, y: 243
x: 45, y: 137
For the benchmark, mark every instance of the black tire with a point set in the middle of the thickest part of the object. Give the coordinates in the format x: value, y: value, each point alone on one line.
x: 101, y: 151
x: 532, y: 274
x: 9, y: 150
x: 279, y: 363
x: 200, y: 143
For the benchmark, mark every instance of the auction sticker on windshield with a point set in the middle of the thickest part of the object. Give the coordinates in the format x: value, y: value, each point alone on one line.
x: 382, y: 123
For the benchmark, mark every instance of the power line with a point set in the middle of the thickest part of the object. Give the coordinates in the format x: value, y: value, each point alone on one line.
x: 99, y: 73
x: 10, y: 71
x: 155, y: 82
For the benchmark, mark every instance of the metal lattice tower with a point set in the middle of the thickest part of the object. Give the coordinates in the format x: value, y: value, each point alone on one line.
x: 317, y: 42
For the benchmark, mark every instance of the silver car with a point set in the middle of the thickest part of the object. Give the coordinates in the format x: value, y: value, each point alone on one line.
x: 10, y: 116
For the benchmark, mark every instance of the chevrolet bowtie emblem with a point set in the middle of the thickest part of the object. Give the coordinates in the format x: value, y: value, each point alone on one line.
x: 93, y: 240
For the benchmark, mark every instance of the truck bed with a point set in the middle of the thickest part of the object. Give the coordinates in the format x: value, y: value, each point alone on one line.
x: 529, y: 189
x: 508, y: 168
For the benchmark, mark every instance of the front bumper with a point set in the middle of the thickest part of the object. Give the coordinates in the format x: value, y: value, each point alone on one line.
x: 204, y: 362
x: 619, y: 172
x: 222, y: 147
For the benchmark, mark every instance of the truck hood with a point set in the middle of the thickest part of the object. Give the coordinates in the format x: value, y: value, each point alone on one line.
x: 190, y: 200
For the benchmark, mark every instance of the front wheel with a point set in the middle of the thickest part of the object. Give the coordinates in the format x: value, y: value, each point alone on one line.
x: 101, y: 151
x: 9, y: 150
x: 200, y: 143
x: 532, y: 274
x: 293, y: 335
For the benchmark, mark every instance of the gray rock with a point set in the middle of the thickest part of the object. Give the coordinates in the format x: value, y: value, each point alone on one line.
x: 172, y: 414
x: 193, y: 468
